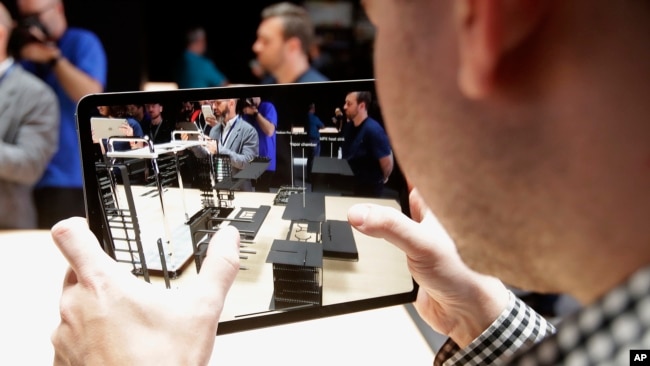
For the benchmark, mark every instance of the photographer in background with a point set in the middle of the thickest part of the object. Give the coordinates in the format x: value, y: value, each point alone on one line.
x: 339, y: 119
x: 72, y: 61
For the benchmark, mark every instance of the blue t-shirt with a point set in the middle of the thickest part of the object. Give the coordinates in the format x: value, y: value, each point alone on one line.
x: 363, y: 146
x: 314, y: 124
x: 310, y: 76
x: 196, y: 71
x: 137, y: 132
x: 267, y: 144
x: 84, y: 50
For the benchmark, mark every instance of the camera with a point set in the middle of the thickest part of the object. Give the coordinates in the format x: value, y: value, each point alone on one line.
x: 28, y: 30
x: 244, y: 103
x: 249, y: 102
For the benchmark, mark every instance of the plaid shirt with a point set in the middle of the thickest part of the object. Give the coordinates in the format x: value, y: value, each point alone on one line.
x: 601, y: 334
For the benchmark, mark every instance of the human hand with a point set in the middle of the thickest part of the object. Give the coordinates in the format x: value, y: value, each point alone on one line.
x: 212, y: 146
x: 109, y: 317
x: 249, y: 110
x: 94, y: 136
x: 212, y: 121
x: 39, y: 52
x: 453, y: 299
x: 126, y: 129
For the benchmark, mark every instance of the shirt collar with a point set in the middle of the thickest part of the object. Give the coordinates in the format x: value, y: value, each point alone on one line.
x: 5, y: 65
x: 230, y: 122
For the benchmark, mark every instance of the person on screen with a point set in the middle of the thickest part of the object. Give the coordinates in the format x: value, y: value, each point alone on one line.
x: 231, y: 136
x: 159, y: 128
x: 366, y: 146
x: 139, y: 113
x: 262, y: 115
x: 314, y: 125
x: 523, y: 125
x: 29, y: 131
x: 130, y: 128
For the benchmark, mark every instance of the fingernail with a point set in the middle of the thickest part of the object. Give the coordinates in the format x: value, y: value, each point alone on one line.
x: 358, y: 213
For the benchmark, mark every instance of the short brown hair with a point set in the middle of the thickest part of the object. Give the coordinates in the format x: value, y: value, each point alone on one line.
x: 296, y: 22
x: 364, y: 97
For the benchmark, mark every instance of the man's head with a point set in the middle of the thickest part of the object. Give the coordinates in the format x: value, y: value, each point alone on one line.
x: 521, y: 124
x: 356, y: 106
x: 224, y: 109
x: 196, y: 40
x: 286, y: 32
x: 136, y: 111
x: 103, y: 110
x: 154, y: 110
x: 49, y: 13
x: 112, y: 111
x: 6, y: 25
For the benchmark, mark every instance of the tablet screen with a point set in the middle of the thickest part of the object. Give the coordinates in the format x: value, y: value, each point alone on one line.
x: 155, y: 206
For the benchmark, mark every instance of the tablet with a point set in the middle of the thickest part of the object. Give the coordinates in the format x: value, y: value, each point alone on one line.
x: 107, y: 127
x: 190, y: 127
x: 207, y: 111
x: 299, y: 258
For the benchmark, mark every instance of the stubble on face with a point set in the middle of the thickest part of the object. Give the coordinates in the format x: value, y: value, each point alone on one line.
x: 220, y: 111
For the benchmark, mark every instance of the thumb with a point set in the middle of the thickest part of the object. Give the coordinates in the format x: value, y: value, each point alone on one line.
x: 389, y: 224
x: 221, y: 262
x: 80, y: 248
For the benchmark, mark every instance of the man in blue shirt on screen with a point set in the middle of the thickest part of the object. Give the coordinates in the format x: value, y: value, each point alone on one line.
x: 366, y: 146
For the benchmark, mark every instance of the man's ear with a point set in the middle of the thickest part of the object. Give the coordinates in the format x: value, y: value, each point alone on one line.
x: 487, y: 30
x: 294, y: 44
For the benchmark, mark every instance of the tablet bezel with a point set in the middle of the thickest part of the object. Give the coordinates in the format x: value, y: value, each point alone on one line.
x: 93, y: 205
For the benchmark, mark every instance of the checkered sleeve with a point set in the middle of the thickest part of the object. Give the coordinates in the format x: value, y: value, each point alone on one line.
x: 517, y: 327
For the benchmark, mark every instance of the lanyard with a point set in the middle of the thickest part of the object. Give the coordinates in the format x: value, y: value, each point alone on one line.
x: 153, y: 136
x: 223, y: 141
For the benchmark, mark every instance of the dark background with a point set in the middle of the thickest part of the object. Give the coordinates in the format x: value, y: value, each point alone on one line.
x: 143, y: 39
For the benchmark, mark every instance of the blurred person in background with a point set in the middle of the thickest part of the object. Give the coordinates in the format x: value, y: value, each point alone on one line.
x: 72, y: 61
x: 284, y: 40
x: 29, y: 130
x: 194, y: 69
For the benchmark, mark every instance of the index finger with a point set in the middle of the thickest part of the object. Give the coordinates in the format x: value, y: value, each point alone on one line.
x: 80, y: 248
